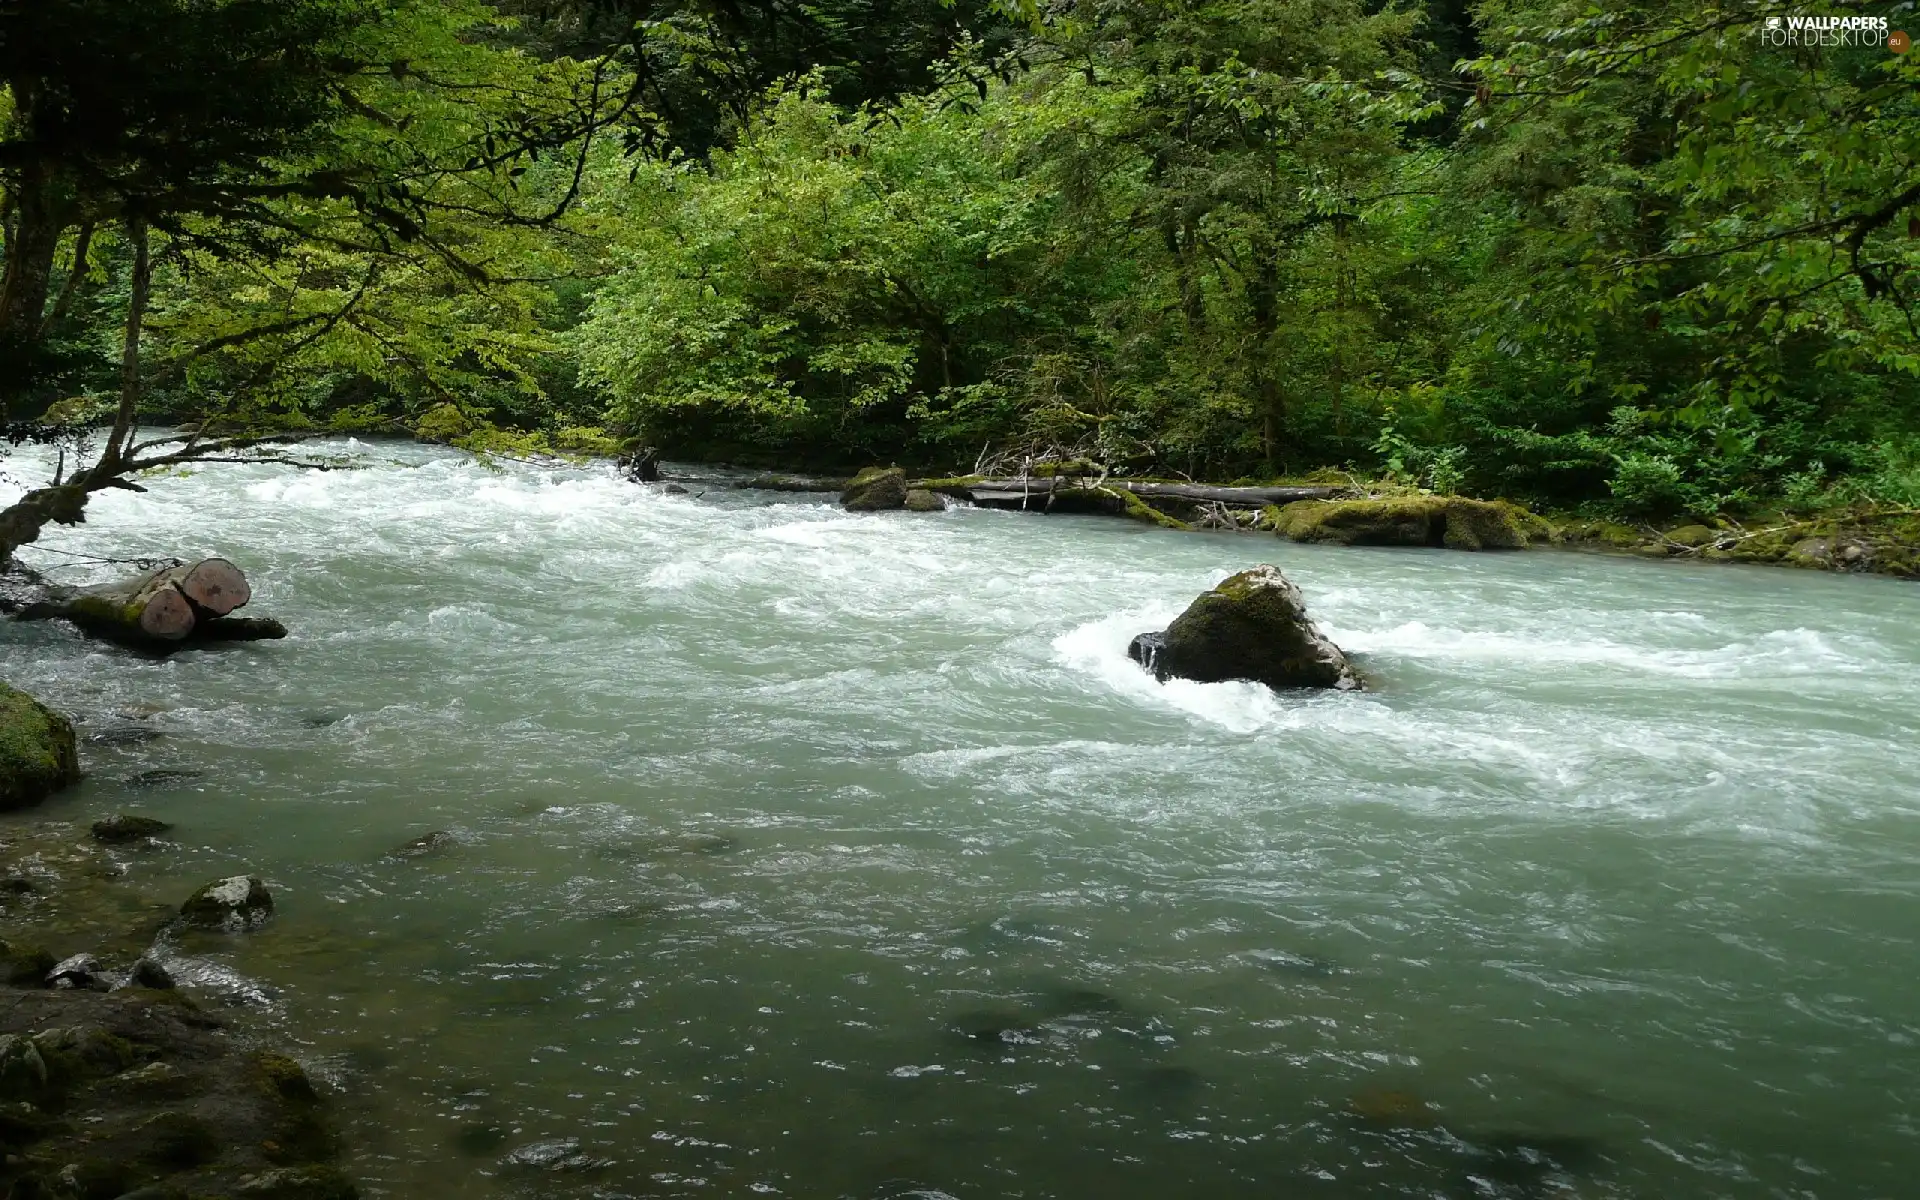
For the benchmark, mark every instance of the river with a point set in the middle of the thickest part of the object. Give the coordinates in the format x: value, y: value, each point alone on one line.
x: 810, y: 854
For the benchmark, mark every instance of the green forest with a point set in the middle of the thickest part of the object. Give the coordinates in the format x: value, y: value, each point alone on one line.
x: 1631, y: 259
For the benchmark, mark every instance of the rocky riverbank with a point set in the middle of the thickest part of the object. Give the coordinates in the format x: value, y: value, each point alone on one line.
x: 1858, y: 541
x: 116, y: 1082
x: 142, y: 1093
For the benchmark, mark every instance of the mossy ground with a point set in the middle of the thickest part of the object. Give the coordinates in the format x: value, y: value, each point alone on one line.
x: 1861, y: 541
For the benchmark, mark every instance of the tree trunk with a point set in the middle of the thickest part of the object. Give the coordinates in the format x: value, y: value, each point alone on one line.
x: 66, y: 503
x: 76, y: 278
x: 31, y: 248
x: 163, y: 609
x: 1033, y: 492
x: 139, y: 288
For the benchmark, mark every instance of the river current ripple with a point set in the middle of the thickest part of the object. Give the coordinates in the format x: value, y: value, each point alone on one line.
x: 811, y: 854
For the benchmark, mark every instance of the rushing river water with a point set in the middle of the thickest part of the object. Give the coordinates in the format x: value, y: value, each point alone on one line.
x: 810, y: 854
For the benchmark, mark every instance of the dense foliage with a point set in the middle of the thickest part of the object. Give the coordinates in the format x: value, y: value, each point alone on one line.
x: 1637, y: 256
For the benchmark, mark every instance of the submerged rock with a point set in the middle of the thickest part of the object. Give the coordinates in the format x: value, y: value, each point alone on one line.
x: 1392, y: 1109
x: 163, y: 777
x: 1078, y: 1001
x: 480, y: 1137
x: 908, y: 1189
x: 1525, y: 1162
x: 996, y: 1027
x: 1169, y: 1084
x: 37, y: 752
x: 1286, y: 962
x: 671, y: 846
x: 1450, y: 521
x: 922, y: 500
x: 553, y: 1154
x: 124, y: 735
x: 1253, y: 626
x: 128, y: 827
x: 875, y: 489
x: 426, y: 845
x: 235, y: 903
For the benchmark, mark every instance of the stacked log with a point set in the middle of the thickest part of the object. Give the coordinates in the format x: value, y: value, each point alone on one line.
x: 164, y: 609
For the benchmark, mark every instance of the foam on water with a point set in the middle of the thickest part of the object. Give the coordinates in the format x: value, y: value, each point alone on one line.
x: 755, y: 802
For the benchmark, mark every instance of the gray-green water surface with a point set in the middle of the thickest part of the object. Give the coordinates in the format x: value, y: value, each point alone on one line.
x: 809, y: 854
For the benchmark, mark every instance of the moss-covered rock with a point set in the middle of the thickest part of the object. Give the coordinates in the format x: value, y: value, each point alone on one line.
x: 147, y: 1098
x: 875, y: 489
x: 128, y: 827
x: 80, y: 410
x: 1253, y: 626
x: 1451, y: 521
x: 1692, y: 536
x: 24, y: 965
x: 175, y: 1141
x: 285, y: 1078
x: 1610, y: 535
x: 1859, y: 541
x: 443, y: 423
x: 38, y: 756
x: 922, y: 500
x: 235, y: 903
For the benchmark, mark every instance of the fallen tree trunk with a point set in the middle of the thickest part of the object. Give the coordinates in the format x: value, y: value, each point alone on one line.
x: 240, y: 629
x: 215, y: 586
x: 1035, y: 490
x: 163, y: 609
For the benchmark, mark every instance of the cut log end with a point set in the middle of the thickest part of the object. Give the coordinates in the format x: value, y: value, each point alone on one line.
x: 216, y: 585
x: 163, y: 610
x: 167, y: 616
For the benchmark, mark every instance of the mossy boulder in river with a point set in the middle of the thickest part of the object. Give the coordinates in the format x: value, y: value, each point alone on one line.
x: 128, y: 827
x: 1253, y: 626
x: 1450, y: 521
x: 235, y: 903
x: 37, y: 754
x: 922, y: 500
x: 875, y: 489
